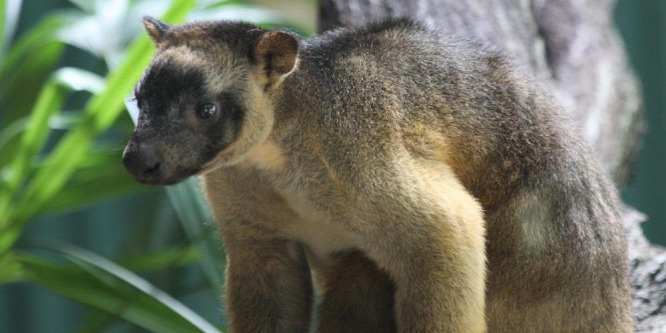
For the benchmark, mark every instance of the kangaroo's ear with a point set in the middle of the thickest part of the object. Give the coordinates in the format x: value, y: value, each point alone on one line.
x: 155, y: 28
x: 275, y: 56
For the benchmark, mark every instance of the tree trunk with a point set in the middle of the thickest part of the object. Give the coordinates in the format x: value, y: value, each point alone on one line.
x: 574, y: 50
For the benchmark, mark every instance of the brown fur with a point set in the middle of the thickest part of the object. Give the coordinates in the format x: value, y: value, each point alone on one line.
x: 426, y: 184
x: 155, y: 28
x: 359, y: 296
x: 276, y: 53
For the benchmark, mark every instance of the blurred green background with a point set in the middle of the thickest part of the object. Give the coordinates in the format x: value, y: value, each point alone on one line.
x: 92, y: 250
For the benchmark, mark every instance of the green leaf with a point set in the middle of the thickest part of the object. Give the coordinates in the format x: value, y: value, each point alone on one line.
x: 102, y: 284
x: 161, y: 259
x: 200, y: 226
x: 9, y: 141
x: 50, y: 101
x: 10, y: 269
x: 102, y: 176
x: 27, y: 66
x: 94, y: 321
x: 100, y: 112
x: 3, y: 20
x: 36, y: 37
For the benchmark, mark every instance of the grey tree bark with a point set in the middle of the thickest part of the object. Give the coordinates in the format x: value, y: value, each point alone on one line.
x: 572, y: 47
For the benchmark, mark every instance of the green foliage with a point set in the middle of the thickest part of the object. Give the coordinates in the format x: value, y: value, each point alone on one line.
x: 199, y: 225
x: 18, y: 204
x: 53, y: 161
x: 3, y: 15
x: 27, y: 65
x: 100, y: 283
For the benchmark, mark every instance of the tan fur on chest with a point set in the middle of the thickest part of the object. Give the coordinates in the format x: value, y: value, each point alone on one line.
x: 267, y: 156
x: 313, y: 227
x: 317, y: 230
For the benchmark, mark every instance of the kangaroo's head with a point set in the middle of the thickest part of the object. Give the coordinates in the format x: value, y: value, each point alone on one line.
x: 205, y: 99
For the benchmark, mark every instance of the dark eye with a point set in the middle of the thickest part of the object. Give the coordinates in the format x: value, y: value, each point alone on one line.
x: 206, y: 111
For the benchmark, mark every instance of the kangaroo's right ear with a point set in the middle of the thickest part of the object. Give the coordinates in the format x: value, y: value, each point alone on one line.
x: 275, y: 55
x: 156, y: 29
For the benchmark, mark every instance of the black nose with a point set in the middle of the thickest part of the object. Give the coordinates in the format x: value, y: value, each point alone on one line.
x: 142, y: 163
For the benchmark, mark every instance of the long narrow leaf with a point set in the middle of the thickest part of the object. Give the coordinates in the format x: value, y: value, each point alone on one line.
x: 12, y: 131
x: 10, y: 269
x: 95, y: 321
x: 160, y: 260
x: 49, y: 101
x: 103, y: 176
x: 27, y: 66
x: 10, y: 136
x: 3, y: 20
x: 101, y: 111
x: 37, y: 36
x: 108, y: 269
x: 33, y: 139
x: 100, y: 283
x: 199, y: 225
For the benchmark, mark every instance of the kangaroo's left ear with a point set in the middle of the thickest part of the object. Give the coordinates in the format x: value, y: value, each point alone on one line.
x: 275, y: 56
x: 155, y: 28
